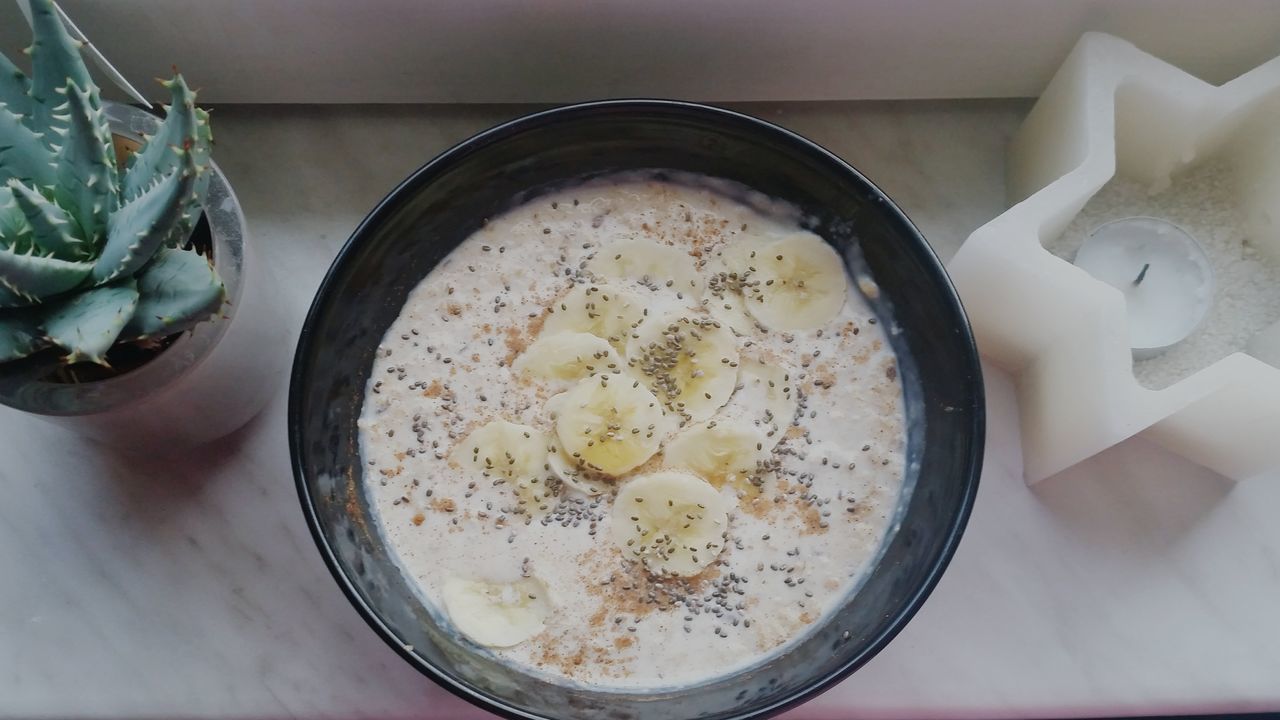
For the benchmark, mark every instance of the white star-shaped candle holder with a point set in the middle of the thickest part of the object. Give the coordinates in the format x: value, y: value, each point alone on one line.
x: 1115, y: 111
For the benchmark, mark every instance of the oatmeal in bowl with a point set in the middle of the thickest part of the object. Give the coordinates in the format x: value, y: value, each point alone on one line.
x: 635, y: 433
x: 587, y: 432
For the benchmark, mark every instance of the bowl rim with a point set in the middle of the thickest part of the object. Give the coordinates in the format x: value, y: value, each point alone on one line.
x: 970, y: 470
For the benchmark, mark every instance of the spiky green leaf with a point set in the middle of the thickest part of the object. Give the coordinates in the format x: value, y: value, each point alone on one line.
x: 55, y: 60
x: 23, y: 156
x: 177, y: 290
x: 204, y: 138
x: 141, y: 226
x: 15, y: 233
x: 186, y: 222
x: 194, y: 206
x: 52, y: 229
x: 180, y: 130
x: 35, y: 277
x: 10, y: 299
x: 14, y: 88
x: 87, y: 324
x: 86, y: 175
x: 20, y: 334
x: 15, y: 236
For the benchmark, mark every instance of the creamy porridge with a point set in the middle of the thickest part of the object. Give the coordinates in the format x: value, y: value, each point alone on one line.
x: 635, y: 433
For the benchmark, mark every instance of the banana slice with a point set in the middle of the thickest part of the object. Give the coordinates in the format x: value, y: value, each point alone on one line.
x: 497, y: 614
x: 576, y: 476
x: 554, y: 405
x: 724, y: 299
x: 572, y: 473
x: 739, y: 255
x: 609, y: 423
x: 567, y: 356
x: 511, y: 452
x: 674, y: 522
x: 766, y: 396
x: 798, y: 283
x: 602, y: 310
x: 729, y: 280
x: 648, y: 262
x: 730, y: 312
x: 733, y: 453
x: 691, y: 364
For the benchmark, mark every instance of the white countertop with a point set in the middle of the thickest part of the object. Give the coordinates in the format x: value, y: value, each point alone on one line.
x: 1132, y: 583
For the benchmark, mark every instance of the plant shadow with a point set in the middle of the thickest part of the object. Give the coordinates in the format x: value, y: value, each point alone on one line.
x: 152, y: 487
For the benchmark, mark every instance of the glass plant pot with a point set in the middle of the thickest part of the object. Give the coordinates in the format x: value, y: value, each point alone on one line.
x: 207, y: 382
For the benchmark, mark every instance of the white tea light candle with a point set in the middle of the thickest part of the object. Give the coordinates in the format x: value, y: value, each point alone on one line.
x: 1163, y: 273
x: 1204, y: 201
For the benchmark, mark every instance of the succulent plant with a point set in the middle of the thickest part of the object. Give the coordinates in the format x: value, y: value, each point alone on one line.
x: 93, y: 254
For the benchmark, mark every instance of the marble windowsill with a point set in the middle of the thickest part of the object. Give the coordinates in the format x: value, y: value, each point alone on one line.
x: 153, y: 588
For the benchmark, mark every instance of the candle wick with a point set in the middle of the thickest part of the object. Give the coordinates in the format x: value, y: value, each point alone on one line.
x: 1141, y: 275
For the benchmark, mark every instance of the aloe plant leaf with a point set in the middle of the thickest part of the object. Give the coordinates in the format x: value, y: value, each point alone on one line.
x: 186, y: 222
x: 20, y: 334
x: 15, y: 236
x: 23, y: 154
x: 55, y: 60
x: 180, y: 130
x: 140, y: 227
x: 52, y: 229
x: 204, y: 137
x: 15, y: 233
x: 86, y: 171
x: 177, y: 290
x: 185, y: 127
x: 10, y: 299
x: 14, y: 88
x: 87, y: 324
x: 35, y: 277
x: 194, y: 206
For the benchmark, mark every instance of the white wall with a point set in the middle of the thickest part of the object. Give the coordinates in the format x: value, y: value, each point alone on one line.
x: 562, y: 50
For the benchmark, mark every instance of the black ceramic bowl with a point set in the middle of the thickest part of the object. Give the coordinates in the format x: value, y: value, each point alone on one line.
x: 448, y: 198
